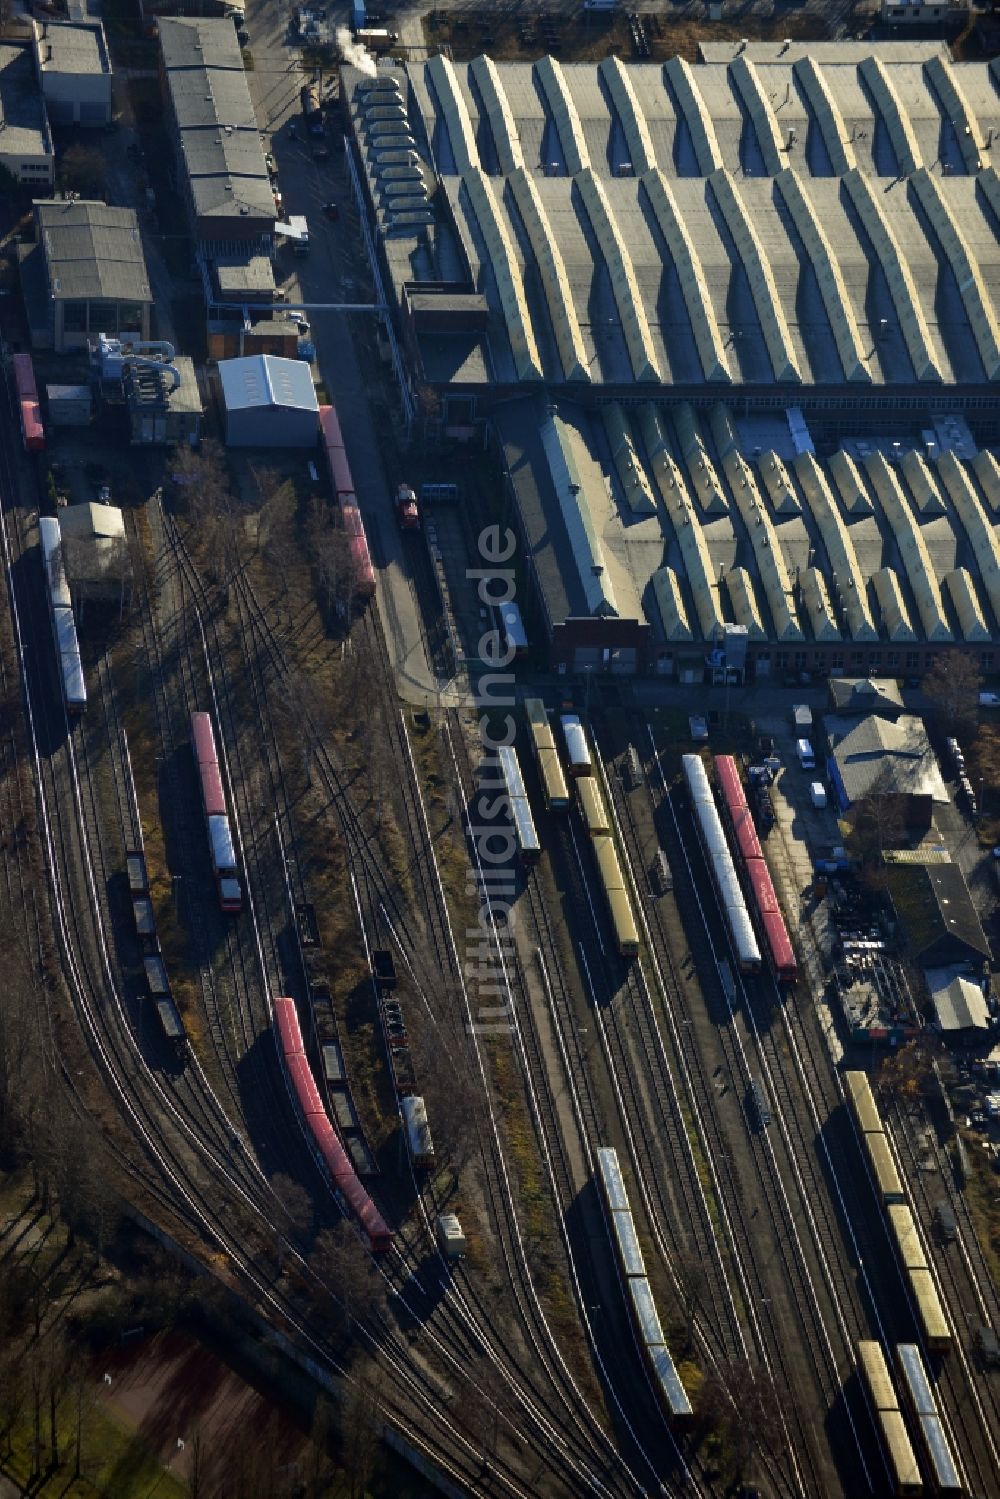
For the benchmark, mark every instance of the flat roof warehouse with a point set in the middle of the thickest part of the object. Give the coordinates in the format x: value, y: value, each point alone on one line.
x: 707, y: 270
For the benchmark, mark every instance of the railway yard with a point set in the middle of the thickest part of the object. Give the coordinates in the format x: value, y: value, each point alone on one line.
x: 464, y: 999
x: 639, y: 1024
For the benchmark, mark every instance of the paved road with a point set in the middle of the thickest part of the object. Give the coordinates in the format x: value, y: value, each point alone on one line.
x: 334, y: 271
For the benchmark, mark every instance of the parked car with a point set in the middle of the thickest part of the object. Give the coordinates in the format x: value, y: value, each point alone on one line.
x: 321, y: 153
x: 989, y: 700
x: 331, y: 210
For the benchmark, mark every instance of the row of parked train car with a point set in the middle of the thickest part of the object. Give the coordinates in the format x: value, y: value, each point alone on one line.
x: 891, y: 1190
x: 920, y: 1405
x: 157, y: 981
x: 667, y: 1382
x: 327, y: 1146
x: 342, y: 486
x: 577, y: 763
x: 221, y: 845
x: 748, y: 889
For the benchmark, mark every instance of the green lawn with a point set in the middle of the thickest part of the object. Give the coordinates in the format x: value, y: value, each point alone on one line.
x: 115, y: 1462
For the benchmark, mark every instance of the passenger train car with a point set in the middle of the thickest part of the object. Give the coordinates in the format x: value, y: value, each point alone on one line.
x: 528, y: 845
x: 543, y: 747
x: 642, y: 1305
x: 29, y: 411
x: 889, y: 1419
x: 325, y: 1143
x: 342, y: 485
x: 720, y: 861
x: 919, y: 1401
x: 763, y: 903
x: 67, y: 647
x: 213, y: 804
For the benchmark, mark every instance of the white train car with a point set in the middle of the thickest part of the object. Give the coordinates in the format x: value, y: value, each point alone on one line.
x: 649, y: 1330
x: 720, y: 858
x: 577, y: 748
x: 50, y: 540
x: 418, y: 1133
x: 528, y: 845
x: 74, y: 689
x: 60, y: 604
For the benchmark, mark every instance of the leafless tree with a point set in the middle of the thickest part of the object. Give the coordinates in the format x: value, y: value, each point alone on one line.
x: 276, y: 532
x: 952, y: 688
x: 331, y: 559
x: 740, y: 1402
x: 455, y: 1098
x: 349, y: 1291
x: 294, y: 1216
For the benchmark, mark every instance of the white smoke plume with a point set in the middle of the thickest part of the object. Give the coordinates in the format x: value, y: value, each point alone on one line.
x: 354, y: 54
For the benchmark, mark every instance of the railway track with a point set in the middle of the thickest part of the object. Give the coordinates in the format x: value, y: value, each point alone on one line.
x: 261, y: 644
x: 744, y: 1060
x: 971, y: 1409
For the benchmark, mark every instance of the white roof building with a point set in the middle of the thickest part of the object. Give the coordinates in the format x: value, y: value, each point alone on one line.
x: 270, y: 402
x: 959, y: 1003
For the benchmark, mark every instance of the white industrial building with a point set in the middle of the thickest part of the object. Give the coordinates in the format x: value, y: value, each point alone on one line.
x: 269, y: 402
x: 734, y: 326
x: 26, y: 150
x: 75, y: 68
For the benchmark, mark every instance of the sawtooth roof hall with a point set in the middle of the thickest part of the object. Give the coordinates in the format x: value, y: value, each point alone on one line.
x: 736, y: 327
x: 785, y: 219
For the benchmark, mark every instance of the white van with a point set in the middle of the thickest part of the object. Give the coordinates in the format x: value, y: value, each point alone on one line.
x: 804, y: 750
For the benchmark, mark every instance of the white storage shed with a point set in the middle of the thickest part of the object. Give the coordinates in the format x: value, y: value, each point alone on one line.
x: 269, y: 402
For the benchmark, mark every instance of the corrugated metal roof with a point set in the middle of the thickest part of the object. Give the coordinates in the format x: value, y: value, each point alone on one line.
x: 266, y: 381
x: 92, y: 251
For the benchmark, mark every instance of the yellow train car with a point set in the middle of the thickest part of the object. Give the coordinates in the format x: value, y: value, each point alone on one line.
x: 930, y: 1312
x: 591, y: 805
x: 862, y: 1101
x: 546, y: 755
x: 884, y: 1169
x: 908, y: 1242
x: 889, y: 1419
x: 619, y: 905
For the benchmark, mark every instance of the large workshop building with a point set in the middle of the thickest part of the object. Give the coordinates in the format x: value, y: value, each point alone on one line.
x: 220, y: 165
x: 734, y: 327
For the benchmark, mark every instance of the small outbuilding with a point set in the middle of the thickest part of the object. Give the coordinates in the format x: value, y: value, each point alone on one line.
x: 959, y: 1003
x: 96, y: 554
x: 269, y: 402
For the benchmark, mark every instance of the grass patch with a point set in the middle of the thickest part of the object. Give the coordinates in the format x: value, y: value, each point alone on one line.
x: 115, y: 1462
